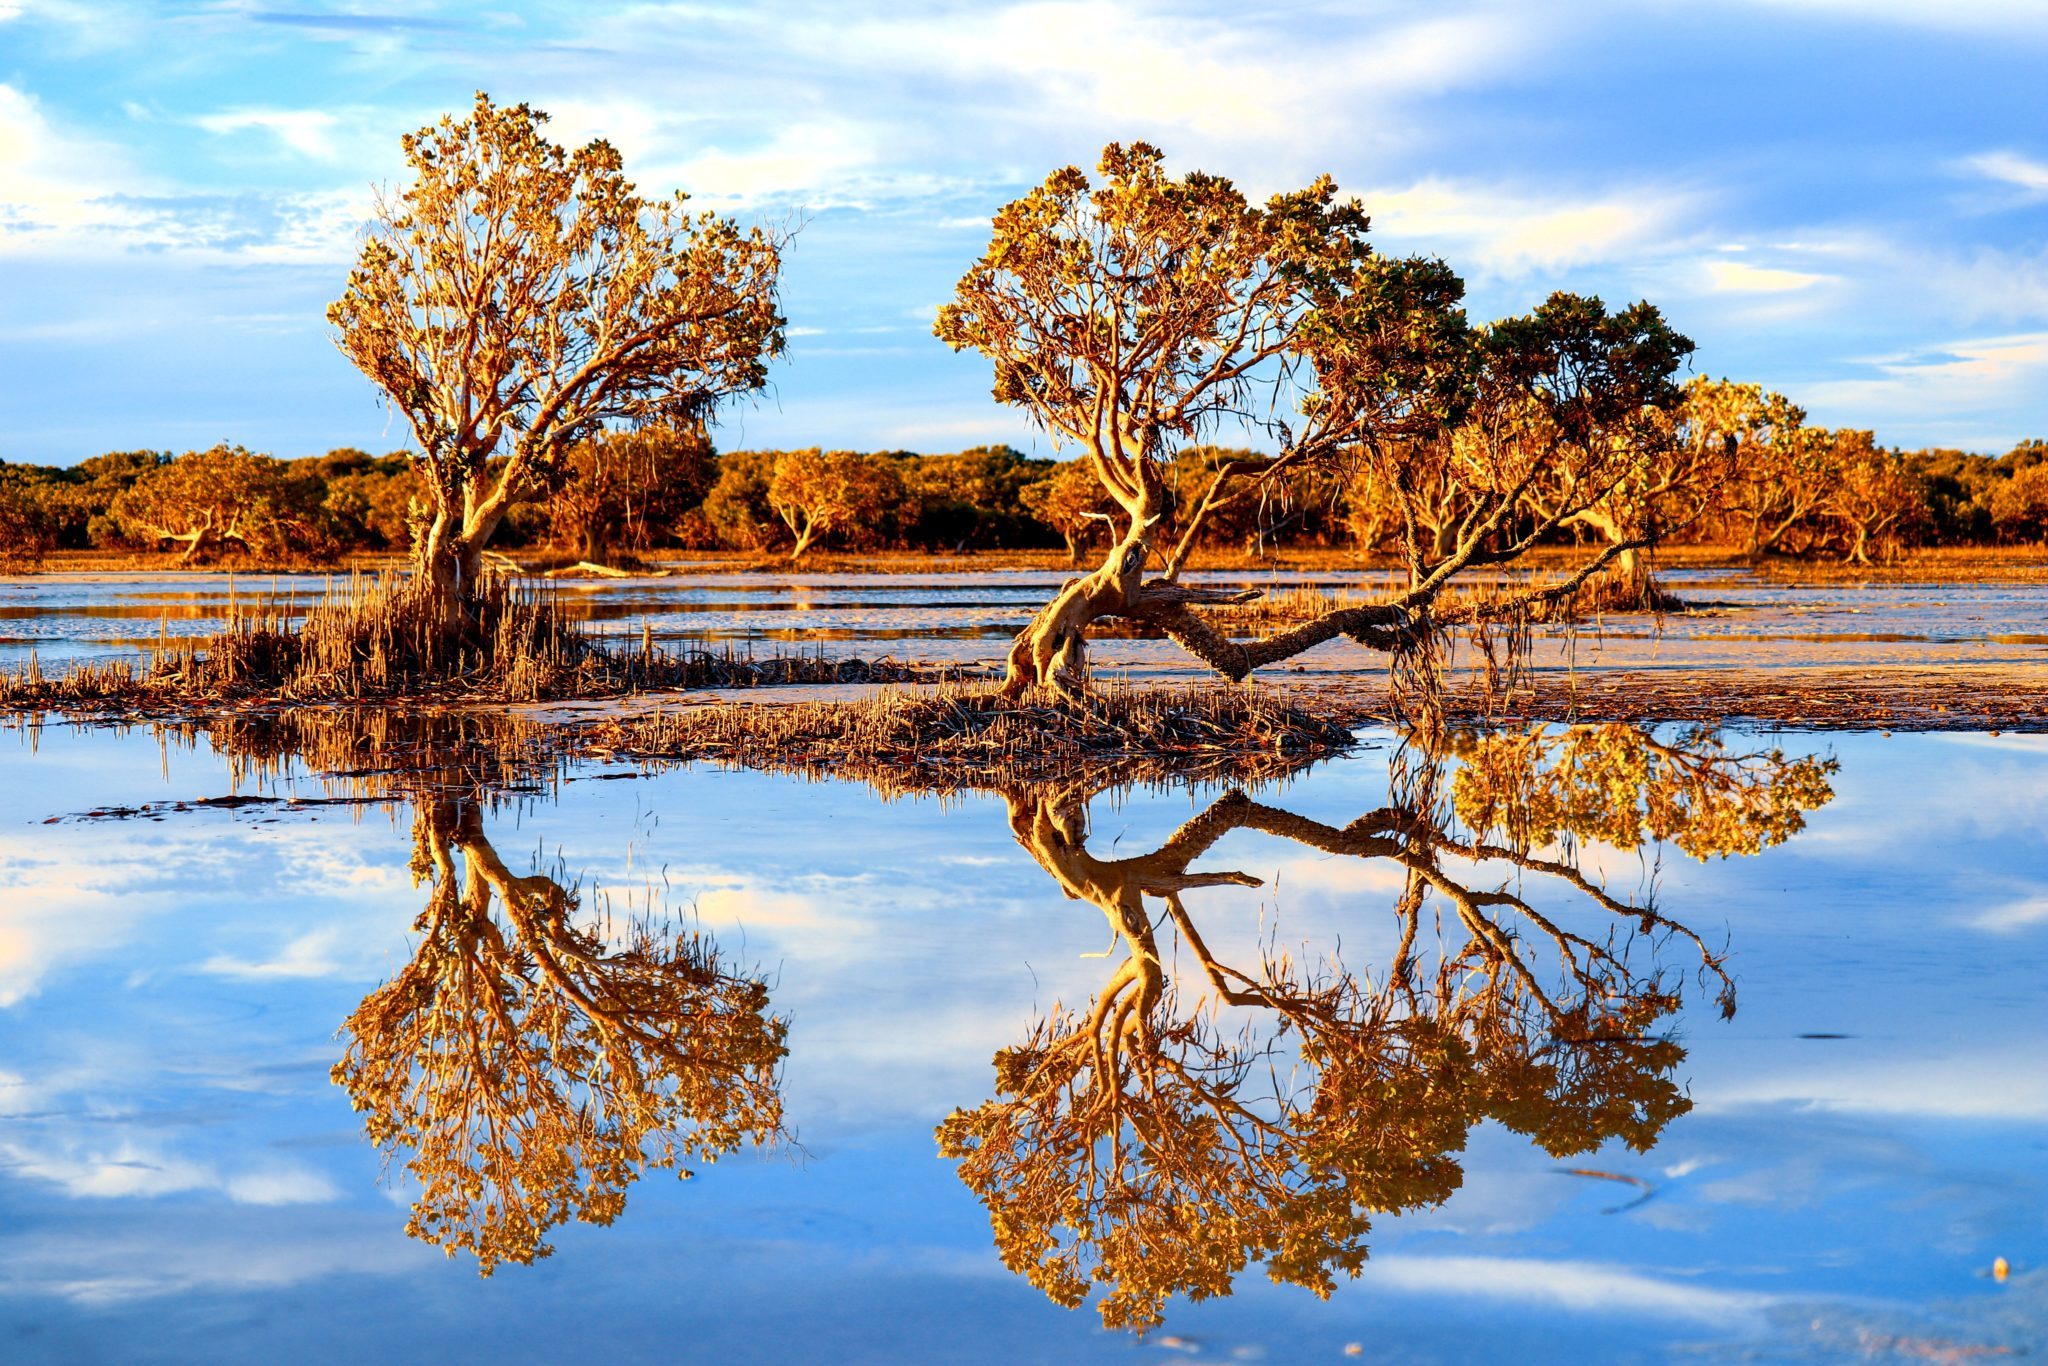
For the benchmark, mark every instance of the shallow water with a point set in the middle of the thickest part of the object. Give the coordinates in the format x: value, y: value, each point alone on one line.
x: 180, y: 1179
x: 969, y: 618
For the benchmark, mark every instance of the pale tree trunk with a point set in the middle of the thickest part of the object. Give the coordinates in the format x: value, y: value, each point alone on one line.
x: 1052, y: 652
x: 1627, y: 579
x: 445, y: 565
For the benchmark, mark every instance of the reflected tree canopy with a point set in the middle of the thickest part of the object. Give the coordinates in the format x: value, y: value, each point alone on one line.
x: 536, y: 1053
x: 533, y: 1068
x: 1184, y: 1126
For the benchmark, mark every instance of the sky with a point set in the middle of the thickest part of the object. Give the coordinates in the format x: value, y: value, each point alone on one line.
x: 1844, y: 200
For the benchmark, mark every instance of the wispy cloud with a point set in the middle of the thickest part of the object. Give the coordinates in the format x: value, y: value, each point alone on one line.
x: 1976, y: 385
x: 309, y: 955
x: 309, y: 132
x: 2012, y: 169
x: 1509, y: 231
x: 2005, y: 17
x: 2010, y: 917
x: 130, y: 1169
x: 1581, y: 1287
x: 1740, y: 277
x: 2000, y: 1085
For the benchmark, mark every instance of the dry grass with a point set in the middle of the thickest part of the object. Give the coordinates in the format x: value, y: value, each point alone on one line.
x: 955, y: 738
x: 374, y: 638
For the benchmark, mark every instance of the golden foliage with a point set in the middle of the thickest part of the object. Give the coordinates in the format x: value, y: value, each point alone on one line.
x: 1141, y: 1149
x: 532, y: 1069
x: 1620, y: 785
x: 517, y: 298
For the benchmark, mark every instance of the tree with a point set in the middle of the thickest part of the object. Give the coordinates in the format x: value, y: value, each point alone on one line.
x: 1072, y: 501
x: 28, y: 526
x: 1872, y: 496
x: 1294, y: 505
x: 970, y: 498
x: 737, y: 508
x: 1138, y: 1146
x: 1133, y: 318
x: 517, y: 298
x: 372, y: 500
x: 1781, y: 466
x: 2019, y: 505
x: 818, y: 493
x: 627, y: 488
x: 1666, y: 496
x: 207, y: 499
x: 532, y: 1067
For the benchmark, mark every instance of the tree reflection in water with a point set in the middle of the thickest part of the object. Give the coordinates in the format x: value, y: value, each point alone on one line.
x: 532, y: 1068
x: 1154, y: 1144
x: 532, y: 1057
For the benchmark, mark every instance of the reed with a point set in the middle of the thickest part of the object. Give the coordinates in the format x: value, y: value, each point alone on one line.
x: 373, y: 638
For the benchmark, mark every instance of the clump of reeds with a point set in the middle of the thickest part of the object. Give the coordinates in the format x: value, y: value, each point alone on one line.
x: 952, y: 737
x: 380, y: 638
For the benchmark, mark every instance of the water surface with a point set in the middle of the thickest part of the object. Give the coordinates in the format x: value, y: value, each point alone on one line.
x: 1829, y: 1172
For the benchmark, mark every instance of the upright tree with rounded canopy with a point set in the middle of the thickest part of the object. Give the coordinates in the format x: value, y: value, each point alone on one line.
x: 817, y: 493
x: 1135, y: 317
x: 518, y: 298
x: 207, y: 500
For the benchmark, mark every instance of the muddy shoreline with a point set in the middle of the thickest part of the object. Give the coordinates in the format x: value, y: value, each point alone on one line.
x: 1936, y: 699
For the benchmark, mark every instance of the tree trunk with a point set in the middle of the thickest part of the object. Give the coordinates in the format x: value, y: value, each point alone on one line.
x: 439, y: 568
x: 1074, y: 548
x: 1052, y: 652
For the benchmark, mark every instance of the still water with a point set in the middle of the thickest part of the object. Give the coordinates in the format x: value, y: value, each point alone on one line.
x: 1745, y: 621
x: 278, y: 1074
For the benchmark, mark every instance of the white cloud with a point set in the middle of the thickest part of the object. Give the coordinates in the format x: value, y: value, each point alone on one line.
x: 1583, y: 1287
x: 50, y: 182
x: 2023, y: 17
x: 1994, y: 1086
x: 129, y: 1170
x: 112, y: 1266
x: 2011, y: 916
x: 2013, y: 169
x: 61, y: 193
x: 309, y: 132
x: 309, y: 955
x: 1740, y: 277
x: 1508, y: 232
x: 1966, y: 385
x: 1026, y: 86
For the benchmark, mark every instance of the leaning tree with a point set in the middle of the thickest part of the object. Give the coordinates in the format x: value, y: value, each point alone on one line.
x: 518, y: 298
x: 1135, y: 317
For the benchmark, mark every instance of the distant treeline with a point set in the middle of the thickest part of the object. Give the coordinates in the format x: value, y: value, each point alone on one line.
x: 636, y: 493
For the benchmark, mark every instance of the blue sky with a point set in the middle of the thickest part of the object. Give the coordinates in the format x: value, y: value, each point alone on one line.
x: 1846, y: 200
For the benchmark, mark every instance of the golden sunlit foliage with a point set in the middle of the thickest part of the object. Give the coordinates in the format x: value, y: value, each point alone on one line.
x: 517, y: 299
x: 1152, y: 1145
x: 532, y: 1066
x: 818, y: 493
x: 1621, y: 786
x: 205, y: 500
x: 1134, y: 316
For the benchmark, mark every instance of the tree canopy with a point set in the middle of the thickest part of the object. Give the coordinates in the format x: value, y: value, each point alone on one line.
x: 517, y: 298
